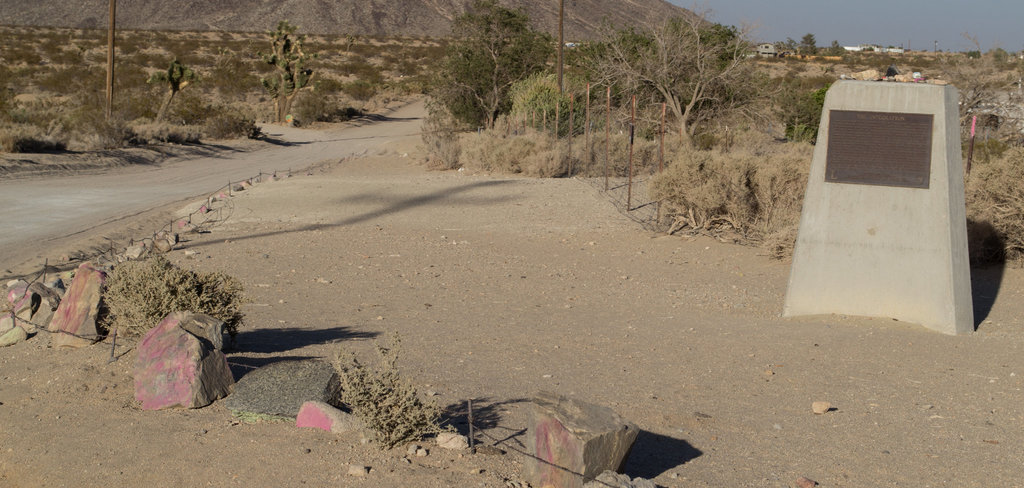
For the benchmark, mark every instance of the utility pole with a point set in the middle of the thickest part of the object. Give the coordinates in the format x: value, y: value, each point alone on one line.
x: 110, y: 61
x: 561, y: 42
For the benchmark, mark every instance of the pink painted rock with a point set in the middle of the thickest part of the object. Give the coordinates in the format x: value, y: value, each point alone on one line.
x: 176, y: 368
x: 75, y: 319
x: 584, y: 438
x: 322, y: 416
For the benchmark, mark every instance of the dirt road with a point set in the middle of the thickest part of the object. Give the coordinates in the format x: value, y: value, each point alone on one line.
x: 42, y: 212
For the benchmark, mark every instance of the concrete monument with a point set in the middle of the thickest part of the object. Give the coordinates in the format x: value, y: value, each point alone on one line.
x: 883, y: 231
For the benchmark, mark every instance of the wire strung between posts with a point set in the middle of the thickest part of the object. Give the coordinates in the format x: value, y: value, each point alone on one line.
x: 526, y: 454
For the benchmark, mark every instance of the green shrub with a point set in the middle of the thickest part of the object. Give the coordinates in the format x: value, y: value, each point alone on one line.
x: 383, y: 399
x: 360, y: 90
x: 230, y: 123
x: 315, y: 106
x: 154, y: 132
x: 138, y: 294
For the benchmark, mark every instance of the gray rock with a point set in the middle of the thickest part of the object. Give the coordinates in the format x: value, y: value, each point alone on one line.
x: 611, y: 479
x: 453, y: 441
x: 46, y: 301
x: 568, y: 437
x: 6, y: 322
x: 280, y: 389
x: 202, y: 325
x: 13, y: 336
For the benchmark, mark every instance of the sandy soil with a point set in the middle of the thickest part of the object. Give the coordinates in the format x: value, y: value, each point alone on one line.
x: 502, y: 286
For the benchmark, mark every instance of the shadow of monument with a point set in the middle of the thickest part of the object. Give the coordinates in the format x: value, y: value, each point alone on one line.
x: 986, y: 247
x: 654, y: 454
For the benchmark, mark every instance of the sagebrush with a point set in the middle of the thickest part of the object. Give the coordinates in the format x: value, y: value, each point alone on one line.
x: 138, y: 294
x: 387, y: 402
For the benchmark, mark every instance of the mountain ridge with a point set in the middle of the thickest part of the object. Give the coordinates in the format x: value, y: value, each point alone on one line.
x: 583, y: 18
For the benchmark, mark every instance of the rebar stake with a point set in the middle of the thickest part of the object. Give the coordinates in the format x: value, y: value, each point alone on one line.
x: 472, y: 450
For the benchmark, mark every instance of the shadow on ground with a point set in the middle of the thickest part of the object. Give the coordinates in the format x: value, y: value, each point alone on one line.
x: 654, y: 454
x: 389, y: 208
x: 243, y: 365
x: 288, y: 338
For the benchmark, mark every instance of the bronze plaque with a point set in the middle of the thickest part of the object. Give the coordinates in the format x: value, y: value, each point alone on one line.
x: 879, y: 148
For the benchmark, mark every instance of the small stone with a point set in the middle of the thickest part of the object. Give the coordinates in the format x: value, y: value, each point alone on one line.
x: 13, y: 337
x: 820, y: 408
x: 357, y: 470
x: 323, y: 416
x: 421, y: 452
x: 452, y: 441
x: 411, y: 450
x: 803, y: 482
x: 476, y: 471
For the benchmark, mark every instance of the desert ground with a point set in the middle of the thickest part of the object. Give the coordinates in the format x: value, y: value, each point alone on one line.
x: 500, y: 287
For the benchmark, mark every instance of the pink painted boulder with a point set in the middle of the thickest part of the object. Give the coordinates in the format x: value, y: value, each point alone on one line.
x: 320, y: 415
x: 74, y: 321
x: 177, y: 368
x: 573, y: 442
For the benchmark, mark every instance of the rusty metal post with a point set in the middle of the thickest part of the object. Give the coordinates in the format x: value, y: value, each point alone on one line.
x: 571, y: 122
x: 661, y: 157
x: 110, y: 60
x: 970, y: 148
x: 607, y: 136
x: 558, y: 119
x: 586, y: 128
x: 632, y: 124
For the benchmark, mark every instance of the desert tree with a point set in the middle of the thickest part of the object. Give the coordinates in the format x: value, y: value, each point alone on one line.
x: 700, y: 70
x: 177, y: 77
x: 494, y: 47
x: 987, y: 87
x: 808, y: 44
x: 291, y: 75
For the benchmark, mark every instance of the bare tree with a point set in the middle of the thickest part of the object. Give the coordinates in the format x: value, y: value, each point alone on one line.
x: 699, y: 69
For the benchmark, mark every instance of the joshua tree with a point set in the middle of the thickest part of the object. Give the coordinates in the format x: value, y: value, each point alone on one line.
x: 291, y: 74
x: 177, y: 77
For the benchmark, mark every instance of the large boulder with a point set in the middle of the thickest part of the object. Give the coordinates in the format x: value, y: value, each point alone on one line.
x: 177, y: 368
x: 74, y: 321
x: 569, y: 438
x: 279, y: 389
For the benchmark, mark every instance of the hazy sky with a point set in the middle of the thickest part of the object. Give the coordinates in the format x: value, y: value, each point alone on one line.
x: 995, y: 23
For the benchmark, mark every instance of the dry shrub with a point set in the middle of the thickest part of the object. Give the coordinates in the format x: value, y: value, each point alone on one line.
x: 995, y: 208
x: 154, y: 132
x: 441, y: 140
x: 753, y: 193
x: 493, y: 152
x: 230, y: 123
x: 23, y: 138
x: 383, y: 399
x: 138, y: 294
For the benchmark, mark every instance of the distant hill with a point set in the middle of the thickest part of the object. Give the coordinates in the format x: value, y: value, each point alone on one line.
x: 583, y: 18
